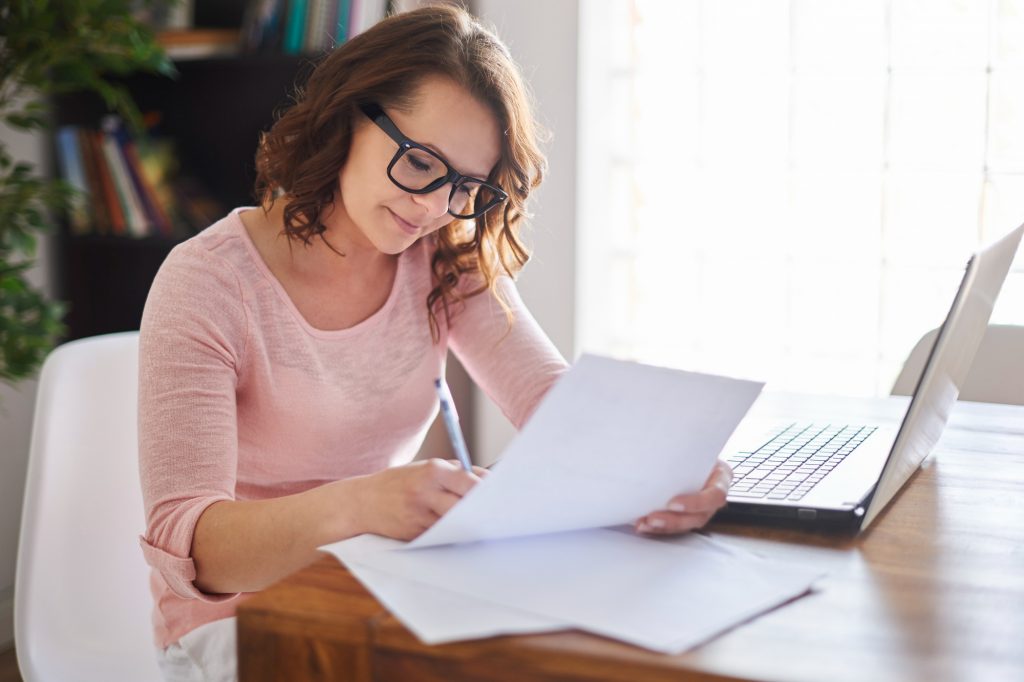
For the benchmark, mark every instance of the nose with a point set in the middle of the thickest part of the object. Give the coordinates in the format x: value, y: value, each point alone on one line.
x: 435, y: 204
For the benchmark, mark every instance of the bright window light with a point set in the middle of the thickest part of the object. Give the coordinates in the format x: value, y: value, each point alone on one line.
x: 789, y: 190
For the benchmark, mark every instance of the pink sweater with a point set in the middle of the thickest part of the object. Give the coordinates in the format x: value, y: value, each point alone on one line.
x: 240, y: 398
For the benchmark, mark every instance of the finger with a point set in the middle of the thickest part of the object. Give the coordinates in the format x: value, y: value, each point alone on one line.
x: 479, y: 471
x: 442, y: 501
x: 721, y: 474
x: 457, y: 480
x: 707, y: 500
x: 668, y: 523
x: 476, y: 469
x: 449, y: 475
x: 710, y: 498
x: 418, y: 529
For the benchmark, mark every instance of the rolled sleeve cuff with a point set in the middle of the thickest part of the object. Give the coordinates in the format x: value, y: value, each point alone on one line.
x: 179, y: 573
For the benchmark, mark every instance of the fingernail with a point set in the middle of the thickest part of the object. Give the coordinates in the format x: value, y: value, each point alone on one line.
x: 677, y: 507
x: 657, y: 523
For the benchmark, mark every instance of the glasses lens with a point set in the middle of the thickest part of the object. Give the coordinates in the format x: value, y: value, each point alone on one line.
x: 416, y: 169
x: 471, y: 198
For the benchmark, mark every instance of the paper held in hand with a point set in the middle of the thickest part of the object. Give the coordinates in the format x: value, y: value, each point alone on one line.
x: 527, y: 549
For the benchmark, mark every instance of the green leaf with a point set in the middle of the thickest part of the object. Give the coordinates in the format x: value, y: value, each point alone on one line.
x: 29, y: 327
x: 23, y: 121
x: 47, y: 47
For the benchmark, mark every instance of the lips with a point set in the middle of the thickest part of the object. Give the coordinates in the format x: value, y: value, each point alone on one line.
x: 405, y: 224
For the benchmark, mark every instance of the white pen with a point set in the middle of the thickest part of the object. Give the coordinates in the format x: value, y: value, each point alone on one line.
x: 451, y: 420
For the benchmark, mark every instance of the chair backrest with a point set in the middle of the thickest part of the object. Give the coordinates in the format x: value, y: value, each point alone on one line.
x: 997, y: 374
x: 82, y: 602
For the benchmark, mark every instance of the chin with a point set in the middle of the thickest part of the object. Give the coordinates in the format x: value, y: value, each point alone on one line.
x: 392, y: 239
x: 393, y: 250
x: 394, y: 244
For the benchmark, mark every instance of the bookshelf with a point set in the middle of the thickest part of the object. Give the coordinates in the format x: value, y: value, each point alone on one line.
x: 212, y: 112
x: 238, y: 62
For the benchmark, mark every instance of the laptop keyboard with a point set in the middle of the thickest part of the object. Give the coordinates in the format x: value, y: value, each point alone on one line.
x: 793, y: 461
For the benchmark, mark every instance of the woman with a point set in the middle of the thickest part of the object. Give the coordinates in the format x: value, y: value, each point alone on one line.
x: 288, y: 352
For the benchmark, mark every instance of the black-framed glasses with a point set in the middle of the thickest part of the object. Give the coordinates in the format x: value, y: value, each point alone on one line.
x: 419, y: 170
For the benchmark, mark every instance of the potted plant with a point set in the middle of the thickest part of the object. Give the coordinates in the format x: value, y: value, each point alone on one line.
x: 48, y: 47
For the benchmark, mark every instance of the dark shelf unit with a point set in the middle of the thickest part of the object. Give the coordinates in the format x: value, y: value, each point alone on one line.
x: 214, y: 110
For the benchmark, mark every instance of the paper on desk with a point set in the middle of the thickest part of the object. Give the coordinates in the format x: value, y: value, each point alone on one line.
x: 435, y: 615
x: 612, y: 441
x: 667, y: 596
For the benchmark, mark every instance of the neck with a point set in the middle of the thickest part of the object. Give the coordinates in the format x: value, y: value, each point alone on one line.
x: 352, y: 254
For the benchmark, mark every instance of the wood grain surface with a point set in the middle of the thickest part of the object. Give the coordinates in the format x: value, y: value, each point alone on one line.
x: 934, y: 591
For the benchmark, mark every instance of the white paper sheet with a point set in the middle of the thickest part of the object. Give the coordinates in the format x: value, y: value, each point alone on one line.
x: 667, y: 596
x: 524, y: 551
x: 612, y: 441
x: 436, y: 615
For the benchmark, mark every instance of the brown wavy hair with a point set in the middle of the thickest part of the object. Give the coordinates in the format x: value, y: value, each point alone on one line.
x: 299, y: 157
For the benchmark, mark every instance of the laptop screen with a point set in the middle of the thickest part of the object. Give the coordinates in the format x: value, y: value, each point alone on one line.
x: 946, y: 370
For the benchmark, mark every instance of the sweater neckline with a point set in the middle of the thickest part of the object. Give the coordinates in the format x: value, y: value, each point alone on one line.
x: 261, y: 265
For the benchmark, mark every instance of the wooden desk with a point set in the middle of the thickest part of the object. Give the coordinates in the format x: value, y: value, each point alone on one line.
x: 935, y: 591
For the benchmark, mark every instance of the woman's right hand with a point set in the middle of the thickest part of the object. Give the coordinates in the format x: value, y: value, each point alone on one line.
x: 402, y: 502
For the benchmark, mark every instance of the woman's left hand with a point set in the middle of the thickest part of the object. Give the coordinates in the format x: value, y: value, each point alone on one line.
x: 686, y: 512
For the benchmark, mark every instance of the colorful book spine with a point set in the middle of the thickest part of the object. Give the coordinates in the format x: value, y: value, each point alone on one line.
x: 158, y: 161
x: 341, y: 20
x: 273, y: 34
x: 156, y: 217
x: 97, y: 208
x: 316, y: 25
x: 365, y: 14
x: 72, y: 170
x: 136, y: 222
x: 295, y: 27
x: 330, y: 21
x: 261, y: 28
x: 110, y: 201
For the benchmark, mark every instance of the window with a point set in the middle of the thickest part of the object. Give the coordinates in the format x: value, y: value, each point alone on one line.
x: 789, y: 189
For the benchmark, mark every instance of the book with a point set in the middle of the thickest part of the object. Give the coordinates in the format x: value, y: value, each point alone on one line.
x: 355, y: 10
x: 136, y: 221
x: 200, y: 43
x: 341, y: 21
x: 175, y: 14
x: 69, y: 158
x: 316, y: 24
x: 295, y: 27
x: 330, y: 24
x: 263, y: 26
x: 111, y: 203
x: 97, y: 208
x: 364, y: 14
x: 158, y: 163
x: 157, y: 218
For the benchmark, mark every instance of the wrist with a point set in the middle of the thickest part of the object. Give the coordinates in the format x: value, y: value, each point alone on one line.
x: 348, y: 506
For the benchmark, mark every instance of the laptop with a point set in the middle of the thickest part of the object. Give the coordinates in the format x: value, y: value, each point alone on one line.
x: 842, y: 475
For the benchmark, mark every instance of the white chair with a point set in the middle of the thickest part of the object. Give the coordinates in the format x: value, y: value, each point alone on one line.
x: 996, y: 376
x: 81, y: 597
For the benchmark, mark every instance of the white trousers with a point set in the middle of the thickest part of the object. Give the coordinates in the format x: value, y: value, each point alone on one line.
x: 207, y: 654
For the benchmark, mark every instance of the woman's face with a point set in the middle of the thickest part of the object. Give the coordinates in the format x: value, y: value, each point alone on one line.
x: 446, y: 119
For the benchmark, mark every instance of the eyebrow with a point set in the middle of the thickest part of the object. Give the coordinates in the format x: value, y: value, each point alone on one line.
x: 437, y: 150
x: 373, y: 109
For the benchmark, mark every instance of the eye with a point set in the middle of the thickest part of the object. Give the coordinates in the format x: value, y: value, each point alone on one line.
x: 417, y: 164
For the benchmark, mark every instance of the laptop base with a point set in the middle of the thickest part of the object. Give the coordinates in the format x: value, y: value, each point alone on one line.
x: 829, y: 520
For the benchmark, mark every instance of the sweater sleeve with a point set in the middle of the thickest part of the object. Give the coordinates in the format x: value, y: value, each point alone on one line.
x: 514, y: 366
x: 192, y: 338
